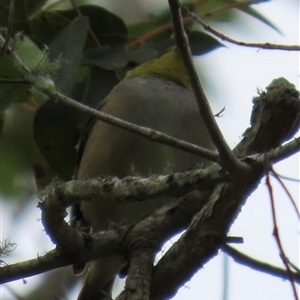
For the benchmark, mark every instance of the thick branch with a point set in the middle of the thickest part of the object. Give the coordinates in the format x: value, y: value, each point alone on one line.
x: 132, y: 189
x: 206, y: 233
x: 52, y: 260
x: 156, y: 228
x: 139, y: 276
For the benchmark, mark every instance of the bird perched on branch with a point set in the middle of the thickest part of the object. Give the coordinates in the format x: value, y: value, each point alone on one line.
x: 158, y: 95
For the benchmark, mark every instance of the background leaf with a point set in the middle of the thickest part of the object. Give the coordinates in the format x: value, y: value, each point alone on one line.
x: 22, y: 9
x: 56, y: 133
x: 68, y: 48
x: 16, y: 93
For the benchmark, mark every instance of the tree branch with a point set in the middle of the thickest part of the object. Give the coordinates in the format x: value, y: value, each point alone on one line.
x: 257, y: 265
x: 165, y: 222
x: 282, y: 152
x: 208, y: 229
x: 227, y: 159
x: 139, y: 276
x: 132, y: 189
x: 52, y: 260
x: 267, y: 46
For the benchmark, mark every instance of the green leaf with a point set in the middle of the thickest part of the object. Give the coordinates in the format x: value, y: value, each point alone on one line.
x: 43, y: 172
x: 108, y: 28
x: 11, y: 92
x: 142, y: 28
x: 32, y: 6
x: 228, y: 15
x: 101, y: 82
x: 108, y: 58
x: 19, y: 11
x: 56, y: 133
x: 141, y: 55
x: 67, y: 47
x: 16, y: 151
x: 22, y: 9
x: 46, y: 26
x: 202, y: 43
x: 57, y: 127
x: 257, y: 15
x: 207, y: 7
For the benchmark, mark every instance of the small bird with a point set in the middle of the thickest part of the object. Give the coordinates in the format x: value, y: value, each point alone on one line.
x: 157, y: 94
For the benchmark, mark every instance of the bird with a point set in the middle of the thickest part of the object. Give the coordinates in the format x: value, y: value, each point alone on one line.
x: 157, y: 94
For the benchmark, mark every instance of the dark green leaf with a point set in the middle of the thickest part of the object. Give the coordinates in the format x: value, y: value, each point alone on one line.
x: 10, y: 92
x: 254, y: 13
x: 68, y: 46
x: 46, y: 26
x: 141, y: 55
x: 105, y: 57
x: 101, y: 82
x: 202, y: 43
x: 22, y: 9
x: 32, y: 6
x: 143, y: 28
x: 108, y: 28
x: 16, y: 151
x: 19, y: 11
x: 56, y: 133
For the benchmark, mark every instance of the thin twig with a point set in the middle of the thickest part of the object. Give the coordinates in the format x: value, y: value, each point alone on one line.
x: 255, y: 264
x: 293, y: 266
x: 222, y: 36
x: 228, y: 160
x: 14, y: 81
x: 287, y: 178
x: 169, y: 26
x: 277, y: 237
x: 153, y: 135
x: 286, y: 190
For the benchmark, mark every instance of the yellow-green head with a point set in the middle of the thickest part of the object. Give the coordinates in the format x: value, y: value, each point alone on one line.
x: 169, y: 65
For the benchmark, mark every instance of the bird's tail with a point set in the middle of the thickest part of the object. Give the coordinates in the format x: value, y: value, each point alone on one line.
x: 100, y: 278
